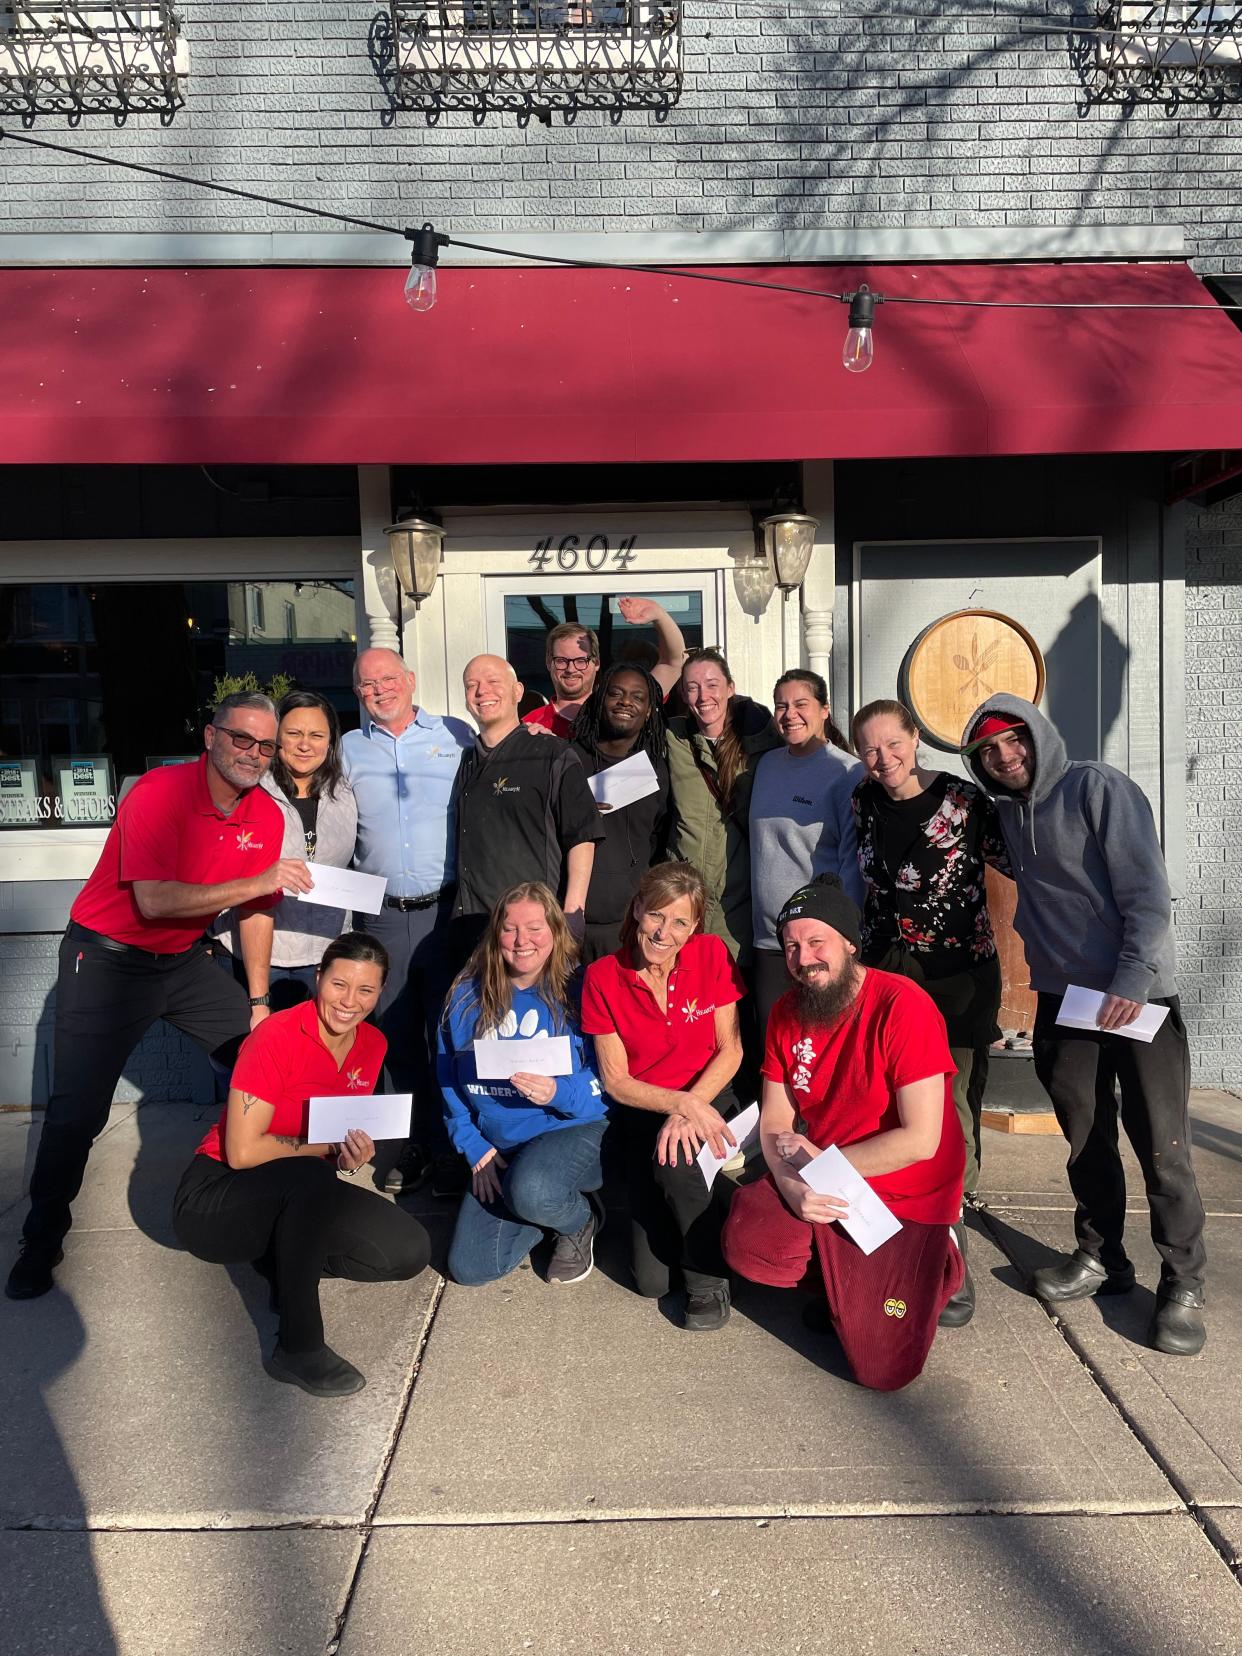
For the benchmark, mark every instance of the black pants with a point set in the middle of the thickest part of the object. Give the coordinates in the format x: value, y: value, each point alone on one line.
x: 674, y: 1219
x: 106, y: 1000
x: 410, y: 1004
x: 601, y: 938
x: 769, y: 979
x: 1080, y: 1070
x: 302, y: 1222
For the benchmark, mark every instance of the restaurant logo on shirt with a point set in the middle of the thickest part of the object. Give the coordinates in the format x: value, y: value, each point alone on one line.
x: 692, y: 1011
x: 501, y: 786
x: 354, y: 1078
x: 247, y: 842
x: 804, y: 1053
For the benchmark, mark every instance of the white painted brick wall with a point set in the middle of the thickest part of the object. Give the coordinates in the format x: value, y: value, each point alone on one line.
x: 795, y: 114
x: 1209, y: 918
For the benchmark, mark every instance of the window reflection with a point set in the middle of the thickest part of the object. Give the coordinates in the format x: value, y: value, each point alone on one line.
x: 101, y: 678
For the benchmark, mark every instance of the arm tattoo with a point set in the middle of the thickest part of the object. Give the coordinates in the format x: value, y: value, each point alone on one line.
x: 248, y: 1100
x: 293, y: 1143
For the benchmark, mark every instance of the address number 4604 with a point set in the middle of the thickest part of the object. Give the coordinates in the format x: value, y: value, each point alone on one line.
x: 570, y: 551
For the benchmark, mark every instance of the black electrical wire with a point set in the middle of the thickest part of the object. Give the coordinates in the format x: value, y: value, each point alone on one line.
x: 674, y: 271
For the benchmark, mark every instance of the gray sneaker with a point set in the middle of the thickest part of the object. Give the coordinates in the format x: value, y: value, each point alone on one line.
x: 573, y: 1258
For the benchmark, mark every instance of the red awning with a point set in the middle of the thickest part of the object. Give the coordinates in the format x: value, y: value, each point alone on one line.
x: 314, y: 366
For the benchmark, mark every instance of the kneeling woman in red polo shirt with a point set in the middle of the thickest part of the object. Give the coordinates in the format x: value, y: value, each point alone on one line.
x: 663, y: 1011
x: 256, y: 1190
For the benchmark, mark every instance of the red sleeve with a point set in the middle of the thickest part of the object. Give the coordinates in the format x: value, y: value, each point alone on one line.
x: 916, y: 1043
x: 773, y: 1069
x: 597, y: 1018
x: 728, y: 986
x: 149, y: 825
x: 258, y: 1069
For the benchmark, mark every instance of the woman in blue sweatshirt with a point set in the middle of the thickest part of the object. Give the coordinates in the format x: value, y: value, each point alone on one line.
x: 533, y: 1141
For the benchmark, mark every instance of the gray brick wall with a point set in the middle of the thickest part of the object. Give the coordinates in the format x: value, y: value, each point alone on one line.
x: 1209, y: 915
x: 795, y: 114
x: 165, y: 1066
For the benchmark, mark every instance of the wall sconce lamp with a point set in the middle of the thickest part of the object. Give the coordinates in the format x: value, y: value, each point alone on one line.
x: 416, y: 547
x: 788, y: 539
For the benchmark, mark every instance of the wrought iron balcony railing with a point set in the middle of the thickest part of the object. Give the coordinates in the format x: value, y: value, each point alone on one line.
x: 1170, y: 51
x: 536, y: 55
x: 106, y: 56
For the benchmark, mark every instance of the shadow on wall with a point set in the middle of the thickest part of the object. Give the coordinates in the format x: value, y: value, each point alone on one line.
x: 1071, y: 660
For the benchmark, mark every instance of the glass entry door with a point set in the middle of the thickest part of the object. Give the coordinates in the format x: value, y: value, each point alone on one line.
x: 521, y: 609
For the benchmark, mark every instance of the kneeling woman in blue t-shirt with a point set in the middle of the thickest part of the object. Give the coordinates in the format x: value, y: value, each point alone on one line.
x: 532, y: 1141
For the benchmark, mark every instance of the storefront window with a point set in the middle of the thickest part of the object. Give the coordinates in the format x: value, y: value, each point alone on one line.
x: 103, y: 681
x: 528, y: 618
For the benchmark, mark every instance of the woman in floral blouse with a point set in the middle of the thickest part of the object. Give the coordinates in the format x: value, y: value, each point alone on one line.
x: 924, y: 837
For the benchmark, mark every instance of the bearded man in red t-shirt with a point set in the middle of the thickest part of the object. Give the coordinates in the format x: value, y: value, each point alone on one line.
x: 859, y: 1059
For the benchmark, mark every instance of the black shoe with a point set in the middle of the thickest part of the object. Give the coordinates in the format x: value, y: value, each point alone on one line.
x: 961, y: 1308
x: 707, y: 1311
x: 1079, y: 1277
x: 1177, y: 1327
x: 408, y: 1172
x: 450, y: 1175
x: 32, y: 1270
x: 573, y: 1258
x: 321, y: 1373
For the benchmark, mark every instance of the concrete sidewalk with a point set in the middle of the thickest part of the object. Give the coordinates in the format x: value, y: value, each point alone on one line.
x: 563, y: 1471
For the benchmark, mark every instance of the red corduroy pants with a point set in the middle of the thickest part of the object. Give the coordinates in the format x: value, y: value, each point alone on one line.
x: 884, y: 1306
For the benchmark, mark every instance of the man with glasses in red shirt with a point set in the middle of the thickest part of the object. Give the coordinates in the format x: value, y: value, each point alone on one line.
x: 572, y: 656
x: 188, y: 842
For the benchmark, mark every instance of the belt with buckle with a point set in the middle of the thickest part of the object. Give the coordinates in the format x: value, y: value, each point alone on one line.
x: 406, y: 904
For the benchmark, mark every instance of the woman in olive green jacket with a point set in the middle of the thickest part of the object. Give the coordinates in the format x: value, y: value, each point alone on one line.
x: 712, y: 752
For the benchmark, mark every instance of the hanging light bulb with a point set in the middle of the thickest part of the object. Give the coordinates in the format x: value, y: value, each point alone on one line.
x: 420, y: 284
x: 859, y: 349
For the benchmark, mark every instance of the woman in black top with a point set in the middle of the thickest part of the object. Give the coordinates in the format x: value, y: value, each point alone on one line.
x: 924, y: 837
x: 619, y: 720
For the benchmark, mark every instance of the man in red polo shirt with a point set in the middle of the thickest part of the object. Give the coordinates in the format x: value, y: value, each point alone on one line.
x: 188, y: 842
x: 857, y: 1058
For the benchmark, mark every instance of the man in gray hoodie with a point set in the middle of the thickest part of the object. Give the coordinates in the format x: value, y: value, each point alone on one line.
x: 1094, y: 910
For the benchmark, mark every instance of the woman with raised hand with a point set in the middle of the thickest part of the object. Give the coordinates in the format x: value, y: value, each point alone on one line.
x: 278, y: 962
x: 801, y: 821
x: 663, y: 1011
x: 924, y: 838
x: 712, y: 751
x: 257, y: 1190
x: 532, y: 1141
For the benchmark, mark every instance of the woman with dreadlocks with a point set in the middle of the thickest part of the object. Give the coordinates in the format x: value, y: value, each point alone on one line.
x: 622, y: 720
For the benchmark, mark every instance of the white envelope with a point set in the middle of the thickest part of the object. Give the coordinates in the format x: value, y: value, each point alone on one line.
x: 869, y: 1222
x: 620, y: 785
x: 497, y: 1060
x: 345, y: 888
x: 1081, y: 1007
x: 744, y: 1126
x: 383, y: 1115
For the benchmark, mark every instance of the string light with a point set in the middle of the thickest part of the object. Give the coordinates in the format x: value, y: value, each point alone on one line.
x: 858, y: 351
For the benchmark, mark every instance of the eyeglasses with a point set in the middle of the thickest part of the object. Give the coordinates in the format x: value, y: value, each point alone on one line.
x: 370, y: 686
x: 244, y: 743
x: 575, y: 664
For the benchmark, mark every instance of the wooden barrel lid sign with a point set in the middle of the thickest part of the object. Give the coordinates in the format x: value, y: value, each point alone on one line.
x: 961, y: 660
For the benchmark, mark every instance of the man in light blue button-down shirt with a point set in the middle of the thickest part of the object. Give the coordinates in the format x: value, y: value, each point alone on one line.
x: 402, y: 765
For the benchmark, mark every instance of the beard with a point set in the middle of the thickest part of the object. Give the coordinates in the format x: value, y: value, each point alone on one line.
x: 821, y: 1001
x: 610, y: 733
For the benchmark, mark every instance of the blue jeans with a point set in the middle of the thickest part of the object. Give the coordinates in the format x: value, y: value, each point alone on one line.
x: 541, y: 1190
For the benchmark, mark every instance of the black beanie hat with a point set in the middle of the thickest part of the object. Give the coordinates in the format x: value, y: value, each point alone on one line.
x: 824, y: 899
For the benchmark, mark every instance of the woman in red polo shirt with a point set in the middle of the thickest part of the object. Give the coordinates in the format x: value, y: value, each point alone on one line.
x: 663, y: 1011
x: 256, y: 1190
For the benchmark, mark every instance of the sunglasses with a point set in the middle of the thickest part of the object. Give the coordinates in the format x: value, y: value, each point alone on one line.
x: 244, y: 743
